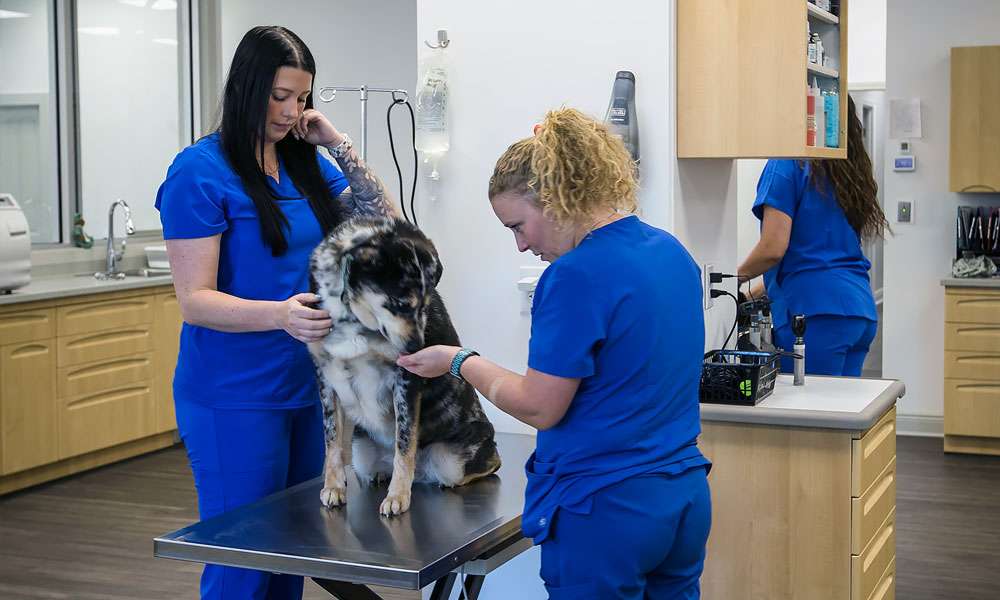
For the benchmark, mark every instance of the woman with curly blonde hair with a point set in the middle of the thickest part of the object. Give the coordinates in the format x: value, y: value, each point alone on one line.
x: 617, y: 492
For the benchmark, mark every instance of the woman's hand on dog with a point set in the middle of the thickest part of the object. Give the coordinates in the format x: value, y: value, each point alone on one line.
x: 302, y: 322
x: 432, y: 361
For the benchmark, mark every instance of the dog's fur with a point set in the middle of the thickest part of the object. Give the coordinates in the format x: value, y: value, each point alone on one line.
x: 377, y: 279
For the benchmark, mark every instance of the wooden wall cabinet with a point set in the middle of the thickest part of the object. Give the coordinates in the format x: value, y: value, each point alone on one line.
x: 85, y: 381
x: 972, y: 371
x: 975, y: 119
x: 743, y: 74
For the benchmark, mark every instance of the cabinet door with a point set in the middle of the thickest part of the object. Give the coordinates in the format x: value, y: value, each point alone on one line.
x: 114, y: 416
x: 166, y: 343
x: 975, y: 122
x: 27, y: 405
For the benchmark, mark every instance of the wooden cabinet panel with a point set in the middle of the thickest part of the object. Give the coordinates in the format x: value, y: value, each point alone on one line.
x: 104, y: 374
x: 24, y: 326
x: 886, y: 588
x: 92, y: 347
x: 872, y: 453
x: 870, y: 511
x: 95, y: 421
x: 167, y: 330
x: 977, y: 307
x: 867, y: 570
x: 975, y: 123
x: 27, y: 405
x: 972, y: 407
x: 104, y: 314
x: 972, y: 336
x: 982, y: 366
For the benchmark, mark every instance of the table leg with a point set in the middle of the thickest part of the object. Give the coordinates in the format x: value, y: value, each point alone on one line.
x: 343, y: 590
x: 473, y: 584
x: 443, y: 587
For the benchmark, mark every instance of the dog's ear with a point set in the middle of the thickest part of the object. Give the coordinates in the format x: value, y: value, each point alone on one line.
x: 438, y: 267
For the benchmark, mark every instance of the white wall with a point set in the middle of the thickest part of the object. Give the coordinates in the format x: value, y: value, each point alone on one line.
x: 24, y: 68
x: 866, y: 43
x: 920, y: 33
x: 354, y: 43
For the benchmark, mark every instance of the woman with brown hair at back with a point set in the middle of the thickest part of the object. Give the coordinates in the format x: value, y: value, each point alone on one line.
x: 814, y: 215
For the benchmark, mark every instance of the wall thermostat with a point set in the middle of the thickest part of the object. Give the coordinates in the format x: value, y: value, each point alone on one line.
x: 904, y: 163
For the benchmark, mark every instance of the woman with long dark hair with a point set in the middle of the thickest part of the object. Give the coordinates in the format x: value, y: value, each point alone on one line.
x: 241, y: 211
x: 814, y: 215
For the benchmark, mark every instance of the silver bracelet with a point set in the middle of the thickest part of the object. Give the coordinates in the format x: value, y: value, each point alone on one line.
x: 341, y: 149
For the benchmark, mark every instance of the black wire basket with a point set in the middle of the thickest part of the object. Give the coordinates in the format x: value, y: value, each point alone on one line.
x: 738, y: 376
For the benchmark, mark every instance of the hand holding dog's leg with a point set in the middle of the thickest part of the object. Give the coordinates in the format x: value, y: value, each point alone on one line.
x: 338, y: 438
x: 406, y: 401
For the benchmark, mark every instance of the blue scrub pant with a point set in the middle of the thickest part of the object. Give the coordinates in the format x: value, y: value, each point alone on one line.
x: 238, y: 456
x: 644, y: 538
x: 834, y: 345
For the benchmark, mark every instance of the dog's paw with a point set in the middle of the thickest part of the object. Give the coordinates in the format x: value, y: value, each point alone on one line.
x: 395, y: 504
x: 333, y: 496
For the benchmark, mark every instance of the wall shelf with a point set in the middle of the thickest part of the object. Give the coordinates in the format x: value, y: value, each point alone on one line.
x: 822, y: 71
x: 819, y: 14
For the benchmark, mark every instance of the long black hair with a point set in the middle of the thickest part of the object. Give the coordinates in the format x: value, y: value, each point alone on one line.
x: 261, y: 52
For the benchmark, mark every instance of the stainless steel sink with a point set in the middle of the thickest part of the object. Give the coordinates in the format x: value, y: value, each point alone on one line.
x: 128, y: 273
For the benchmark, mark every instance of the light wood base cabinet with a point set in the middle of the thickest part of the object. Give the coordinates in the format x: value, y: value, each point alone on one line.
x: 972, y: 371
x: 85, y: 381
x: 801, y: 512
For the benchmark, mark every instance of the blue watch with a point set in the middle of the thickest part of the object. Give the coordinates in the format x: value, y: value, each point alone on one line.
x: 456, y: 363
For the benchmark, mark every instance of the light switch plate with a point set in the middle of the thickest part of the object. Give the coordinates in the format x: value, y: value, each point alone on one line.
x: 904, y: 211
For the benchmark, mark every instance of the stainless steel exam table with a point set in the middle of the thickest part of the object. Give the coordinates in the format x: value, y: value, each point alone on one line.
x: 447, y: 533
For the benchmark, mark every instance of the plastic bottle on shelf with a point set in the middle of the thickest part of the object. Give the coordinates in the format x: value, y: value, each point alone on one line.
x: 831, y: 105
x: 820, y: 117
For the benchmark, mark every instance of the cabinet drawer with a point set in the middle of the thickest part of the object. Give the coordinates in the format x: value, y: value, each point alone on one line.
x: 27, y: 405
x: 27, y: 326
x: 103, y: 315
x: 868, y: 568
x: 972, y: 407
x: 97, y: 376
x: 972, y: 365
x: 92, y: 347
x: 972, y: 336
x: 981, y: 306
x: 870, y: 510
x: 872, y: 453
x: 94, y: 421
x: 886, y: 587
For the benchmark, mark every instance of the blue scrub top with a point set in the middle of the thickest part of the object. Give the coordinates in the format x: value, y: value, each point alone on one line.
x: 824, y: 271
x: 202, y: 196
x: 622, y: 312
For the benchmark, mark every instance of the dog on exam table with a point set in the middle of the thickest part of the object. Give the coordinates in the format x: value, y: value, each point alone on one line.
x: 377, y: 279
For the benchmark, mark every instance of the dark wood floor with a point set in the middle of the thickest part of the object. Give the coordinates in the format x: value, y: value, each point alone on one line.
x: 89, y: 536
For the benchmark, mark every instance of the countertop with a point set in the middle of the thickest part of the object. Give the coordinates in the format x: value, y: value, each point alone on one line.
x: 63, y: 286
x: 824, y: 402
x: 974, y: 282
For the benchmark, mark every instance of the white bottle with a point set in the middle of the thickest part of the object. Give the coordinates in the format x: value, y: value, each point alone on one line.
x: 431, y: 110
x: 820, y: 116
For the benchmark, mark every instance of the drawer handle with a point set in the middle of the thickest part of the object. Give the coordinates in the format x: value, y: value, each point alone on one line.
x: 103, y: 397
x: 106, y: 367
x: 101, y: 338
x: 979, y: 330
x: 976, y: 357
x: 880, y: 437
x: 883, y: 587
x: 879, y: 491
x: 878, y: 544
x: 106, y: 306
x: 23, y: 320
x: 978, y: 387
x: 976, y: 301
x: 29, y: 350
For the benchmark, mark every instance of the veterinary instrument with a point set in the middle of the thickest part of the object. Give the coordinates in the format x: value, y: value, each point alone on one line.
x: 470, y: 530
x: 799, y: 348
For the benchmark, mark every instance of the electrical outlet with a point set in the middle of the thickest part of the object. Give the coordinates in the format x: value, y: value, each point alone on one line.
x: 706, y: 286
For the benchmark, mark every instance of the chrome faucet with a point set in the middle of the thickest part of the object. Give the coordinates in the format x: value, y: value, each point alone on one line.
x: 111, y: 271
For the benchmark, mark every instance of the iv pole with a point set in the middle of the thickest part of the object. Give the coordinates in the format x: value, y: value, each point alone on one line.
x: 327, y: 94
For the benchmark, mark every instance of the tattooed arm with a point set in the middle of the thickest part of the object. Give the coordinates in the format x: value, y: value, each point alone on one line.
x: 366, y: 195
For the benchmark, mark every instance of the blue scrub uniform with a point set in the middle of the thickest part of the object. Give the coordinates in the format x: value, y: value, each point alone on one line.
x: 823, y: 275
x: 617, y: 491
x: 247, y: 403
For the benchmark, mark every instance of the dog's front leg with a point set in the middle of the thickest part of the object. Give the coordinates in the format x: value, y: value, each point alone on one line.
x: 338, y: 441
x: 406, y: 402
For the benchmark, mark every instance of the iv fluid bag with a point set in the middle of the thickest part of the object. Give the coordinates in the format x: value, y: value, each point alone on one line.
x: 432, y: 105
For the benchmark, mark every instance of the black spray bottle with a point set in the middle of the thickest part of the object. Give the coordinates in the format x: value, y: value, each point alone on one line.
x: 621, y: 117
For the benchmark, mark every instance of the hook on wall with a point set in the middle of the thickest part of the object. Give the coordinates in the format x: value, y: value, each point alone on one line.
x: 442, y: 40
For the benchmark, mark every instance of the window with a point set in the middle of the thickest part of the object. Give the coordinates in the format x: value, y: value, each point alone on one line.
x: 95, y: 101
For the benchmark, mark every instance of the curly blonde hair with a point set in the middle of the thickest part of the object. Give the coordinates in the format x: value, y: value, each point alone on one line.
x: 574, y: 167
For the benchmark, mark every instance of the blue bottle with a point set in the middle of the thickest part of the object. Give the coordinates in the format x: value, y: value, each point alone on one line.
x: 831, y: 108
